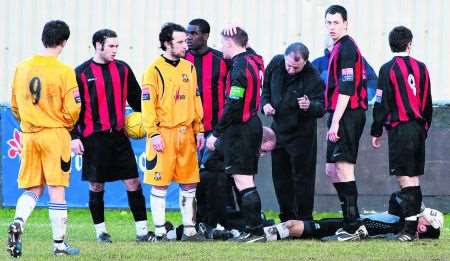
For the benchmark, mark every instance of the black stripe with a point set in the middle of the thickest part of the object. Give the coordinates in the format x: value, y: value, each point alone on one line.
x: 94, y: 99
x: 109, y: 92
x: 150, y: 164
x: 198, y: 63
x: 65, y: 165
x: 162, y: 79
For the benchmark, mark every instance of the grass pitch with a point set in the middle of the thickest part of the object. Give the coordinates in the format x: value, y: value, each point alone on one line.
x: 37, y: 243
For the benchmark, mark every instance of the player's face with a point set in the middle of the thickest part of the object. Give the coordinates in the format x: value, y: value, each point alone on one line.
x: 336, y: 26
x: 178, y: 45
x: 226, y: 47
x: 109, y: 50
x: 195, y: 38
x: 422, y: 225
x: 294, y: 63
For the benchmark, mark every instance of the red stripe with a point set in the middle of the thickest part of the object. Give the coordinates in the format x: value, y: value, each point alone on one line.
x: 413, y: 101
x: 419, y: 91
x: 125, y: 89
x: 220, y: 87
x: 207, y: 61
x: 248, y: 96
x: 426, y: 89
x: 116, y: 84
x: 88, y: 123
x: 189, y: 57
x: 101, y: 96
x: 398, y: 98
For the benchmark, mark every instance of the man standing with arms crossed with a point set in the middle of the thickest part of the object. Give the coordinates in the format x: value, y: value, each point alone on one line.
x: 346, y: 102
x: 241, y: 129
x: 172, y: 117
x: 106, y: 84
x: 46, y: 102
x: 403, y: 105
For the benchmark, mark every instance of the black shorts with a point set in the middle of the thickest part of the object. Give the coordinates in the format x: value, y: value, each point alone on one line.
x: 351, y: 127
x: 407, y: 149
x: 241, y: 144
x: 108, y: 156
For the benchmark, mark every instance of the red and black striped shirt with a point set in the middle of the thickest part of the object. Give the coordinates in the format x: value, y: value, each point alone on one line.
x: 211, y: 79
x: 346, y: 75
x: 104, y: 91
x: 403, y: 94
x: 243, y: 90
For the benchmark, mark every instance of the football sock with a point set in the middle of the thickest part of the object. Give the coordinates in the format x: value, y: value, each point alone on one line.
x: 58, y: 218
x: 187, y: 208
x: 100, y: 228
x: 158, y: 207
x: 251, y: 210
x: 25, y: 205
x: 136, y: 201
x: 348, y: 195
x: 412, y: 200
x: 97, y: 206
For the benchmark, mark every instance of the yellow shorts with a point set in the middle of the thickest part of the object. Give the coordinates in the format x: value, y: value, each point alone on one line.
x: 45, y: 158
x: 178, y: 162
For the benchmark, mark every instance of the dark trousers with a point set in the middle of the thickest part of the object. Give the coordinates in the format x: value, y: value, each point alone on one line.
x: 294, y: 176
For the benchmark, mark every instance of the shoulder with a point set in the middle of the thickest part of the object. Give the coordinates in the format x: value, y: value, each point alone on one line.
x: 154, y: 65
x: 186, y: 65
x: 82, y: 67
x: 122, y: 63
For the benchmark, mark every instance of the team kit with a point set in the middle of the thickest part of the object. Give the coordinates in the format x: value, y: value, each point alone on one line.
x: 197, y: 108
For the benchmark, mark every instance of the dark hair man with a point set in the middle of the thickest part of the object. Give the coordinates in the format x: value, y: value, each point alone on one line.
x: 293, y: 96
x: 404, y: 107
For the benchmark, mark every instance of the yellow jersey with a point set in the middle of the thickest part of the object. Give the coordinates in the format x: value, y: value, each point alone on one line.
x: 45, y: 94
x: 170, y: 97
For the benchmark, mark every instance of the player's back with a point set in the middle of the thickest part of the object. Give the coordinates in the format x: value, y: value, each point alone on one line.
x: 41, y: 85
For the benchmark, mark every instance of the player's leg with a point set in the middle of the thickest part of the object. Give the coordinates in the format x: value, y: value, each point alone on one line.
x: 97, y: 210
x: 406, y: 162
x: 187, y: 175
x: 160, y: 168
x: 31, y: 178
x: 136, y: 201
x: 56, y: 167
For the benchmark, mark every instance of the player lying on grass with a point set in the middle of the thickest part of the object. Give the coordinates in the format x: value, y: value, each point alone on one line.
x: 379, y: 225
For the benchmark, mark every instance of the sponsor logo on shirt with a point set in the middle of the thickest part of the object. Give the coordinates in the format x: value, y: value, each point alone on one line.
x: 179, y: 96
x: 347, y: 74
x: 145, y: 94
x: 91, y: 79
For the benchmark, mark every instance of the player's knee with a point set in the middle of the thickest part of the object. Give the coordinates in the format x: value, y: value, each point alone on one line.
x: 186, y: 187
x: 132, y: 184
x: 96, y: 187
x: 243, y: 182
x: 331, y: 172
x: 37, y: 191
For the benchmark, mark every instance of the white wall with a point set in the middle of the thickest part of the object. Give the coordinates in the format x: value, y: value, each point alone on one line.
x: 271, y: 24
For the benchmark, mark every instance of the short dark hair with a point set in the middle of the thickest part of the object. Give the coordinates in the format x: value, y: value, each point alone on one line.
x: 202, y: 25
x: 298, y: 49
x: 337, y: 9
x: 101, y: 35
x: 166, y: 34
x: 432, y: 233
x: 55, y: 33
x: 399, y: 38
x: 240, y: 37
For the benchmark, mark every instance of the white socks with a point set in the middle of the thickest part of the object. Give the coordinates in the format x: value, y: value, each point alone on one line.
x: 141, y: 228
x: 187, y: 206
x: 100, y: 228
x: 58, y: 217
x: 25, y: 205
x: 158, y: 207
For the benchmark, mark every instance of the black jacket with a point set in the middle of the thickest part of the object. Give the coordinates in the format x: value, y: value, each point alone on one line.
x: 282, y: 90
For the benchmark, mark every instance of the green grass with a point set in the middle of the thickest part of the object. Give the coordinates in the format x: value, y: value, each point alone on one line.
x: 37, y: 243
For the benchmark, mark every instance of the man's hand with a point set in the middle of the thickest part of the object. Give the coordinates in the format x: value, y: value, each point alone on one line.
x: 200, y: 141
x: 210, y: 143
x: 268, y: 110
x: 158, y: 143
x: 376, y: 142
x: 332, y: 134
x: 77, y: 147
x: 304, y: 102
